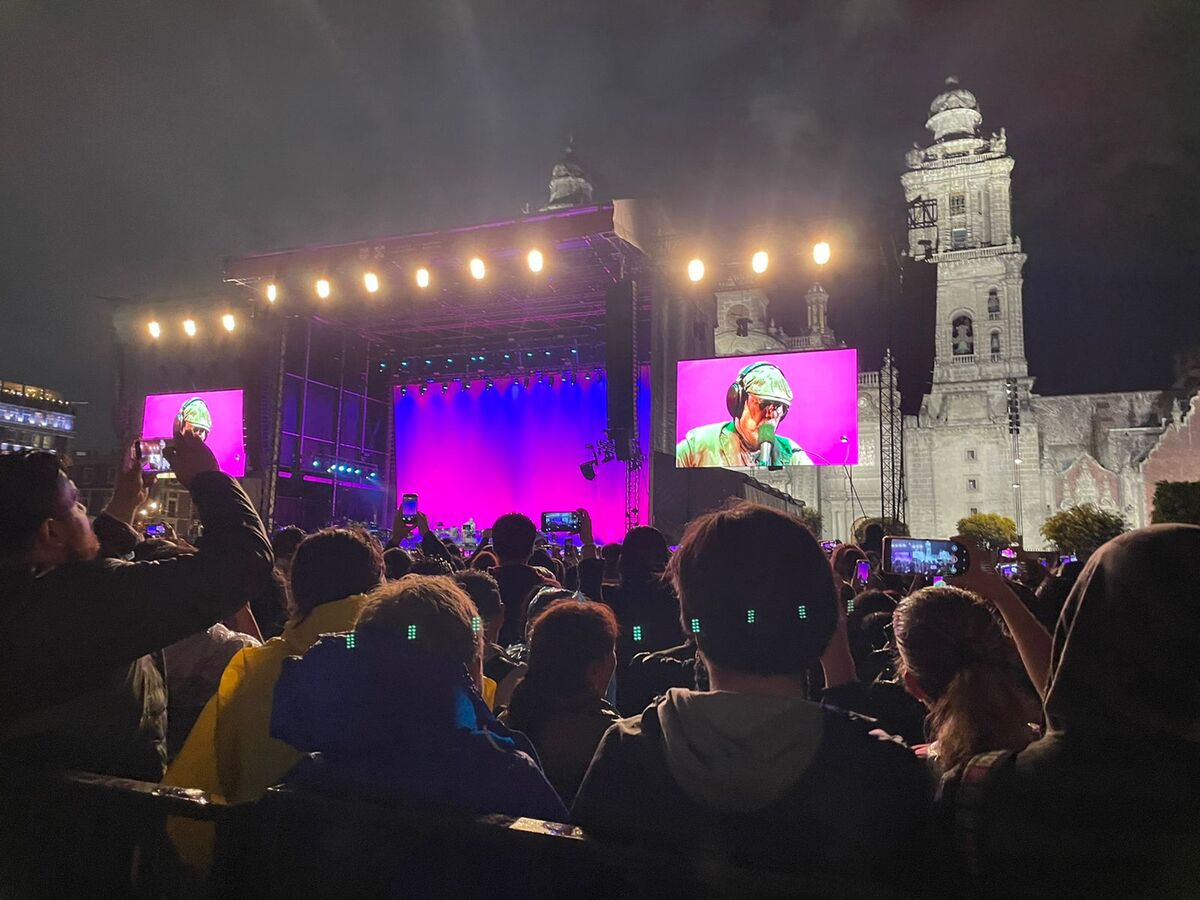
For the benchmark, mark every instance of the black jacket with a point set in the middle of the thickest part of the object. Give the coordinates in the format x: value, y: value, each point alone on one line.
x: 77, y: 687
x: 805, y: 787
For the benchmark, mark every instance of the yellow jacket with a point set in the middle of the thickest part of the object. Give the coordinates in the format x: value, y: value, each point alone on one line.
x: 230, y: 752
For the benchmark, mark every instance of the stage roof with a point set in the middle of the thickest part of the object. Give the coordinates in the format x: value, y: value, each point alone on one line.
x: 586, y: 250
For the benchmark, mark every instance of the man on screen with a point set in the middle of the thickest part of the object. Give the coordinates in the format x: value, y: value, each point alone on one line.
x: 193, y: 418
x: 757, y: 402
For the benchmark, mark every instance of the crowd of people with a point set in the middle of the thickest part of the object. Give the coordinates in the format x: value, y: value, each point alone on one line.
x: 747, y: 696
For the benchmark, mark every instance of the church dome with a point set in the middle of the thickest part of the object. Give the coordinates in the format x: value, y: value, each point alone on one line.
x: 954, y: 97
x: 954, y: 113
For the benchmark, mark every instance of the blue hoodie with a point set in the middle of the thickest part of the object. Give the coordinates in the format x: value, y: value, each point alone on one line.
x: 386, y: 721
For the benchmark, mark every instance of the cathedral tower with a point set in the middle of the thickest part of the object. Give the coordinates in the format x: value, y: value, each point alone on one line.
x: 959, y: 199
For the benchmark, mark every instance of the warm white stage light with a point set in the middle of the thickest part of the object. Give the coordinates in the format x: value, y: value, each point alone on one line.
x: 229, y: 321
x: 371, y: 282
x: 536, y: 261
x: 155, y: 330
x: 422, y: 278
x: 695, y: 270
x: 323, y: 288
x: 759, y: 261
x: 478, y: 269
x: 272, y: 292
x: 821, y: 253
x: 189, y: 327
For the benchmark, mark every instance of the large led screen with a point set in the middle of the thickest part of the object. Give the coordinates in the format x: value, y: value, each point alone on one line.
x: 474, y: 452
x: 774, y: 409
x: 215, y: 416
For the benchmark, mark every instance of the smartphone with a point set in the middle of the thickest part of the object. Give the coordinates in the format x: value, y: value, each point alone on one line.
x: 408, y: 509
x: 828, y: 546
x: 939, y: 581
x: 924, y: 556
x: 1008, y: 570
x: 156, y: 529
x: 561, y: 521
x: 150, y: 455
x: 862, y: 571
x: 1008, y: 552
x: 1063, y: 560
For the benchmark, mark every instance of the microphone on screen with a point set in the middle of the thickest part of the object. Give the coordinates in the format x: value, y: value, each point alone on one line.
x: 766, y: 442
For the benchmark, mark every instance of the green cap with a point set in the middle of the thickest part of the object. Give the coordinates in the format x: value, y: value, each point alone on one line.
x: 768, y: 383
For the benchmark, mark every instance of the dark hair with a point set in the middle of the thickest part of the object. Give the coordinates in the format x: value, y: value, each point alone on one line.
x: 512, y: 537
x: 951, y: 642
x: 431, y: 565
x: 541, y: 557
x: 540, y: 599
x: 755, y: 590
x: 591, y: 578
x: 484, y: 592
x: 611, y: 554
x: 30, y: 493
x: 484, y: 560
x: 843, y: 558
x: 565, y: 639
x: 396, y: 562
x: 285, y: 541
x: 432, y: 612
x: 867, y: 602
x: 644, y: 555
x: 333, y: 564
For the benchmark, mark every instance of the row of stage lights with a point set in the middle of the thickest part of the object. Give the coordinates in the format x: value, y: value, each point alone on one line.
x: 536, y: 260
x: 567, y: 377
x: 190, y: 329
x: 323, y: 287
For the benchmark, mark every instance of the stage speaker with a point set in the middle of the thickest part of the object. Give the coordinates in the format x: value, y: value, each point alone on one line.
x: 620, y: 342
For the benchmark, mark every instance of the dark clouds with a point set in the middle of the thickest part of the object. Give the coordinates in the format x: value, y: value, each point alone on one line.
x: 142, y: 141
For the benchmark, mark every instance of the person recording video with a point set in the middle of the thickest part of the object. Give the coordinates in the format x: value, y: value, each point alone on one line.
x: 757, y: 402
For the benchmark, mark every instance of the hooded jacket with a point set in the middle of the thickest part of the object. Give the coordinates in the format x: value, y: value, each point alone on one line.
x: 383, y: 720
x: 772, y: 780
x: 1108, y: 801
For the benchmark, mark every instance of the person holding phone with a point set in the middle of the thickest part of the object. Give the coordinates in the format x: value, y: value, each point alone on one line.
x: 76, y: 629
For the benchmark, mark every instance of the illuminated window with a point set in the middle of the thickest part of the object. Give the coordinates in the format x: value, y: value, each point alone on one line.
x: 958, y: 204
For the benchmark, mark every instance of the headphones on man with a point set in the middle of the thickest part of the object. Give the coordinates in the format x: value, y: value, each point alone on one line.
x: 735, y: 397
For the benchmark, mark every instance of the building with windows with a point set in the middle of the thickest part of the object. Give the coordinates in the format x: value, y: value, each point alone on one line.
x: 984, y: 440
x: 35, y: 418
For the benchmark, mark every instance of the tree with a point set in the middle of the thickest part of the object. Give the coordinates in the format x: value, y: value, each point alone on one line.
x: 989, y: 530
x: 811, y: 518
x: 1177, y: 501
x: 1082, y: 529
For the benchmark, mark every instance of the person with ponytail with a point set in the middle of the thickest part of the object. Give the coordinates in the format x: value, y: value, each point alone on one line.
x: 954, y: 656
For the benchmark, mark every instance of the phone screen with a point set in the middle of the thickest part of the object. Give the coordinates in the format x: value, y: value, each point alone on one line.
x: 408, y: 509
x: 862, y: 571
x: 151, y: 456
x: 1009, y: 570
x: 156, y: 529
x: 560, y: 521
x: 924, y: 556
x: 939, y: 581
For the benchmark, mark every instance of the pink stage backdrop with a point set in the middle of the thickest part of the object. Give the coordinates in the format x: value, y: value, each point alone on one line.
x: 478, y: 452
x: 823, y: 418
x: 226, y: 438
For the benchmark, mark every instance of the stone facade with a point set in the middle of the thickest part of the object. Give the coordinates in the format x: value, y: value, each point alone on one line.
x: 961, y: 452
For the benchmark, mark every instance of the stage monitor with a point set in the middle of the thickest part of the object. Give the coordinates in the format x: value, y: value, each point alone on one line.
x: 214, y: 416
x: 768, y: 410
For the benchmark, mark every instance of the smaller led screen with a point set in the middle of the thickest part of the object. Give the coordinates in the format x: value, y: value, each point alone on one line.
x: 774, y: 409
x: 214, y: 416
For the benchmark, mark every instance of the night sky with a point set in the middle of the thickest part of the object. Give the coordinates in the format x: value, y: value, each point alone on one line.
x: 140, y: 142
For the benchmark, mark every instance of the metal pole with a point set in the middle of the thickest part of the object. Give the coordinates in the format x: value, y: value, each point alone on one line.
x: 272, y: 486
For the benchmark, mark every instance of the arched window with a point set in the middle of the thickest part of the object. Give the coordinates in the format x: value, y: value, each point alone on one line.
x: 993, y: 303
x: 995, y: 343
x: 734, y: 313
x: 962, y: 336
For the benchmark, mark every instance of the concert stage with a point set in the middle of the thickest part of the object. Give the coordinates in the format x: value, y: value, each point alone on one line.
x: 482, y: 395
